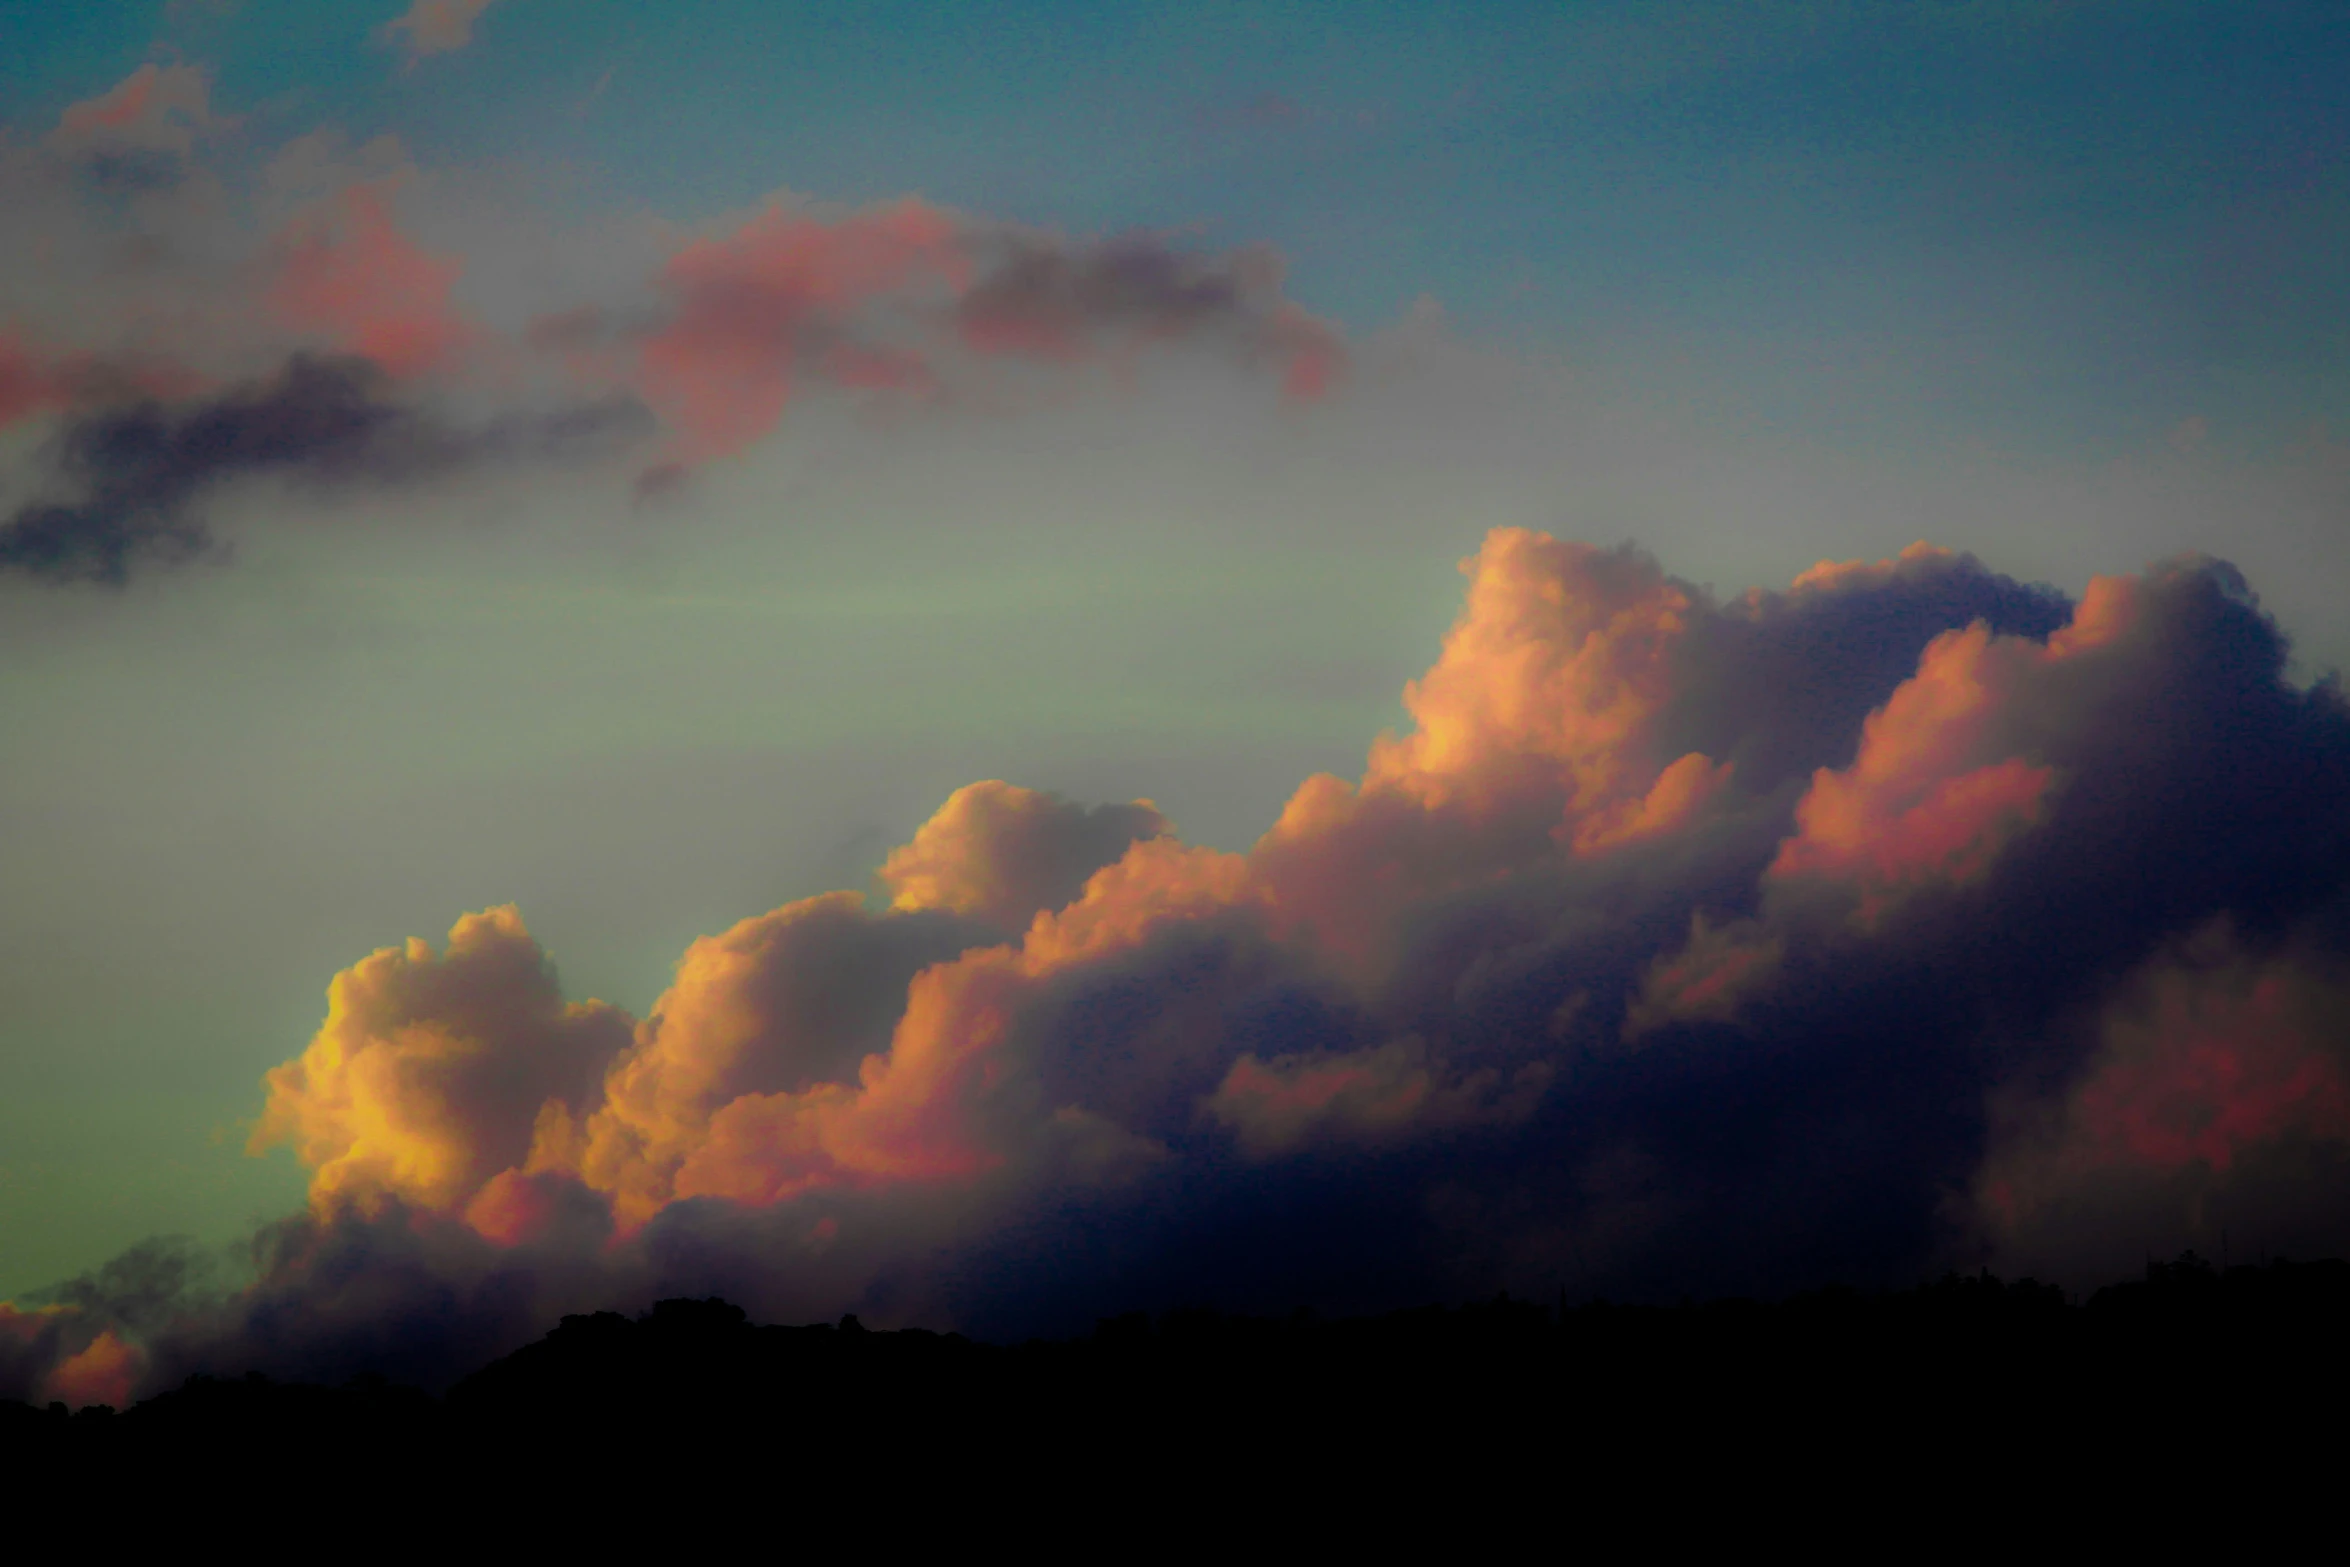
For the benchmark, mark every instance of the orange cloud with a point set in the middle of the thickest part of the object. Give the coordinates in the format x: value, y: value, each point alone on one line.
x: 1672, y: 804
x: 1833, y: 575
x: 106, y: 1371
x: 1918, y: 805
x: 430, y: 1072
x: 1059, y: 999
x: 950, y: 1100
x: 785, y: 1006
x: 347, y: 273
x: 1707, y: 980
x: 1537, y: 726
x: 1549, y: 681
x: 1273, y: 1106
x: 1007, y: 854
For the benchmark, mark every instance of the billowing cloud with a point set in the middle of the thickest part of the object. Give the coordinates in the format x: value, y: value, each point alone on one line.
x: 1006, y: 854
x: 433, y: 1072
x: 2022, y: 915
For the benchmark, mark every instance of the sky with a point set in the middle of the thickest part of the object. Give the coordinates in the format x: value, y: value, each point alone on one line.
x: 1630, y: 647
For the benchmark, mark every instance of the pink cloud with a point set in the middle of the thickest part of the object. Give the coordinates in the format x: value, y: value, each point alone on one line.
x: 1921, y: 804
x: 157, y: 109
x: 750, y: 304
x: 2211, y: 1060
x: 437, y: 26
x: 347, y: 273
x: 29, y: 383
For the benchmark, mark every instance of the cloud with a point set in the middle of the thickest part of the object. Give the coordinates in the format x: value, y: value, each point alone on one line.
x: 2215, y: 1082
x: 106, y: 1371
x: 1041, y: 298
x: 1706, y: 980
x: 1006, y: 854
x: 1534, y: 996
x: 141, y: 132
x: 1906, y: 915
x: 750, y: 304
x: 134, y: 474
x: 860, y: 299
x: 436, y: 26
x: 431, y: 1073
x: 156, y: 280
x: 347, y: 273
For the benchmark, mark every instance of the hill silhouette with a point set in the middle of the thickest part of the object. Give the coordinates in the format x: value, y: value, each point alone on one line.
x: 2187, y: 1369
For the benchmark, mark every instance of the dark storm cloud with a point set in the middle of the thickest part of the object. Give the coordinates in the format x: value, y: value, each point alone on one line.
x: 135, y: 475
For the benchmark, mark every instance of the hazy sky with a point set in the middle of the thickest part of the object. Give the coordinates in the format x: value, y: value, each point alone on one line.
x: 1321, y: 295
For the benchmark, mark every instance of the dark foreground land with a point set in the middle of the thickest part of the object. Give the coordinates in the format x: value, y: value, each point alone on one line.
x: 1970, y: 1387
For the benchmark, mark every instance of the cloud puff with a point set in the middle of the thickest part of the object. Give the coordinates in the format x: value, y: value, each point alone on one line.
x: 346, y: 273
x: 1006, y: 854
x: 140, y: 132
x: 1042, y: 298
x: 1623, y: 968
x: 436, y: 26
x: 431, y: 1073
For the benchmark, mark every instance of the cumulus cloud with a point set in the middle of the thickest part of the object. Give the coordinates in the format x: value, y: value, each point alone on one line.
x: 1006, y: 854
x: 2021, y: 924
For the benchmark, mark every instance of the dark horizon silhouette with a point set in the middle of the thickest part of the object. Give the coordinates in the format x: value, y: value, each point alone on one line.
x: 704, y: 1362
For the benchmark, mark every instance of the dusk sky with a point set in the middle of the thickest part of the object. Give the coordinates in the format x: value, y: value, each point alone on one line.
x: 1638, y: 647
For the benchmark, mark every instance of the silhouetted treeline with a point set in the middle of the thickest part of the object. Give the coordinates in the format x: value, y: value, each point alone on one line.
x: 2186, y: 1360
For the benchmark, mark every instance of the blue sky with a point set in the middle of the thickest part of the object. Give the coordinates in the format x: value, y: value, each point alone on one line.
x: 2069, y: 226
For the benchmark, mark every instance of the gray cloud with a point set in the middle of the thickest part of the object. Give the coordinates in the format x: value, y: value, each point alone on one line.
x: 136, y: 474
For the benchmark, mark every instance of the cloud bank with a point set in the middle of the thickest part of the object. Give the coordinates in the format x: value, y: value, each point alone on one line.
x: 1681, y: 943
x: 177, y: 322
